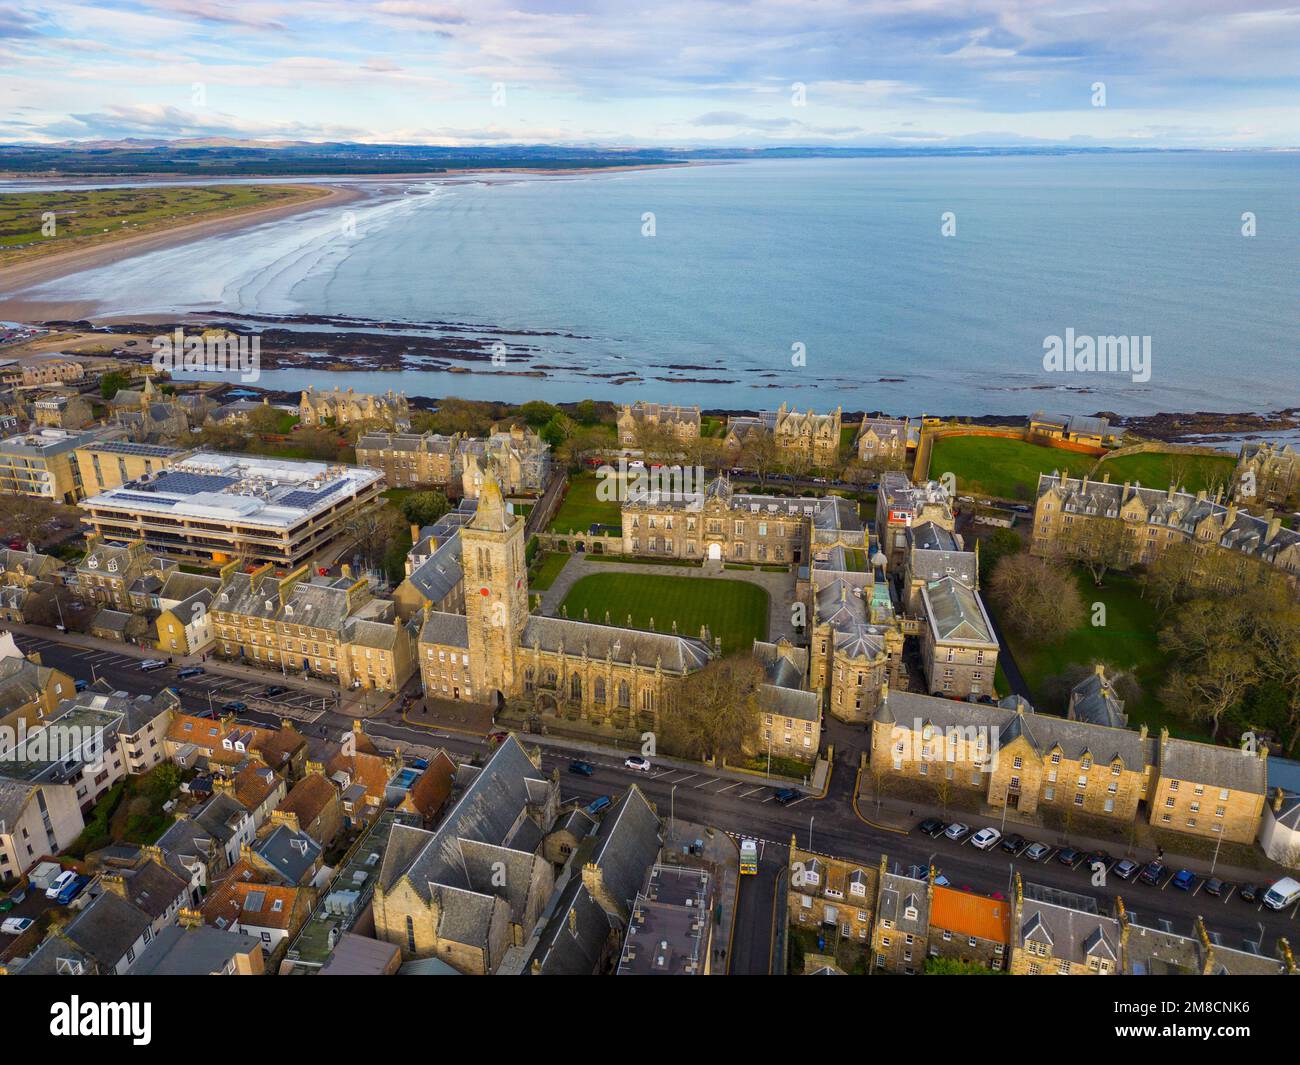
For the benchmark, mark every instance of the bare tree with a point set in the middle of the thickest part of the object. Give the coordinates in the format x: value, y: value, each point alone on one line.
x: 1036, y: 600
x: 716, y: 712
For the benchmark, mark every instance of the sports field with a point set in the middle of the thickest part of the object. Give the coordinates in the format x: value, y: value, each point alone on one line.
x: 1156, y: 469
x: 1000, y: 466
x: 735, y: 611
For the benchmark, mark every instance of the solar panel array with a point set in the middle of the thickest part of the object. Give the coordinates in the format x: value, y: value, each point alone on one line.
x: 128, y: 447
x: 301, y: 497
x: 188, y: 484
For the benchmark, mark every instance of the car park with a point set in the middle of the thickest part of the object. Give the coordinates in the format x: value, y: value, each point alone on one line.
x: 1184, y: 880
x: 985, y: 838
x: 59, y: 883
x: 15, y: 926
x: 956, y: 831
x: 582, y: 768
x: 150, y: 664
x: 635, y: 761
x: 931, y: 826
x: 1036, y: 852
x: 1152, y: 873
x: 1214, y: 886
x: 273, y: 690
x: 785, y: 796
x: 1069, y: 856
x: 1125, y: 869
x: 1014, y: 844
x: 1248, y: 893
x: 190, y: 671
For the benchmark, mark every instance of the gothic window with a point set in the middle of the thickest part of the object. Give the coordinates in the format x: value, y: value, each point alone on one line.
x: 599, y: 693
x: 575, y: 687
x: 551, y: 679
x: 528, y: 679
x: 647, y: 700
x: 624, y: 695
x: 410, y: 934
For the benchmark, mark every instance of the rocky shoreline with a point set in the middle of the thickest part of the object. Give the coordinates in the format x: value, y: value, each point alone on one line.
x: 339, y: 343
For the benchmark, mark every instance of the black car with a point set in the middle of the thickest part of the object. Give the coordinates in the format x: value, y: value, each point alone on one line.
x: 1069, y: 856
x: 1014, y: 844
x: 785, y: 796
x: 932, y: 827
x: 1152, y: 873
x: 190, y: 671
x: 1248, y: 892
x: 1093, y: 857
x: 1214, y: 886
x: 234, y: 706
x: 582, y: 768
x: 273, y: 690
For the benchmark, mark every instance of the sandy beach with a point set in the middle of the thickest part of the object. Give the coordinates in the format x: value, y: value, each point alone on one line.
x: 14, y: 280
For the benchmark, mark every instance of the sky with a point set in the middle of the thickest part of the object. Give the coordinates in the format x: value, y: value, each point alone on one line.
x: 915, y: 73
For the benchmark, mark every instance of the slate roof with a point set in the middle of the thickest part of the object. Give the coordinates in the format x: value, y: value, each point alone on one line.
x: 1070, y: 934
x: 291, y: 854
x: 200, y: 951
x: 1094, y: 700
x: 104, y: 931
x: 955, y: 613
x: 898, y: 894
x: 677, y: 654
x: 1220, y: 767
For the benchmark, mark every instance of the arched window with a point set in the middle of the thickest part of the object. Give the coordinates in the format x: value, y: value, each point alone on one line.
x: 647, y: 700
x: 624, y: 695
x: 575, y: 687
x: 551, y: 679
x: 599, y: 691
x: 410, y: 934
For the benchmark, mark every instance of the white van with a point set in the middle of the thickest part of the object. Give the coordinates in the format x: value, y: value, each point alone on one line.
x: 1282, y: 894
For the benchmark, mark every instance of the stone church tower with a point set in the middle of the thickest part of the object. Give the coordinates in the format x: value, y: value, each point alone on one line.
x: 496, y: 590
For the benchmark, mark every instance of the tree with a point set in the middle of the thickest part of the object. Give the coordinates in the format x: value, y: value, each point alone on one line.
x: 266, y: 419
x: 424, y: 508
x: 716, y: 711
x: 25, y: 517
x: 759, y: 454
x: 537, y: 413
x: 999, y: 545
x: 373, y: 530
x: 1101, y: 544
x: 1171, y: 575
x: 953, y: 967
x: 557, y: 429
x: 112, y: 383
x: 1036, y: 600
x: 1275, y: 628
x: 586, y: 412
x: 54, y: 604
x: 1212, y: 688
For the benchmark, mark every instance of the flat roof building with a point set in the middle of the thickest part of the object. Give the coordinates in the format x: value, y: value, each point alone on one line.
x: 242, y: 507
x: 43, y: 463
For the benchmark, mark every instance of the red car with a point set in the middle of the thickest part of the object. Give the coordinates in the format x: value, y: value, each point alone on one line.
x: 498, y: 736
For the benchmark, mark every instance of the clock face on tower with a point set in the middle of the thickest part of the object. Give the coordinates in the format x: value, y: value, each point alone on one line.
x: 484, y: 591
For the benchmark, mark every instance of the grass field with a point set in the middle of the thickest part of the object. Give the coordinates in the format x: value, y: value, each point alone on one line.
x: 34, y: 223
x: 1129, y: 641
x: 547, y: 570
x: 999, y: 466
x: 735, y: 611
x: 1156, y: 469
x: 581, y: 508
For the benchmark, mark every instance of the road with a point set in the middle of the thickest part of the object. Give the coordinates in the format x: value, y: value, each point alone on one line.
x: 828, y: 825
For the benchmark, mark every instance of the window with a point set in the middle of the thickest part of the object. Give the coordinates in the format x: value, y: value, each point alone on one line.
x: 410, y: 934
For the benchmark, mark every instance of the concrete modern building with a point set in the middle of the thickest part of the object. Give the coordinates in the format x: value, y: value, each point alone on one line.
x: 245, y: 508
x: 43, y: 463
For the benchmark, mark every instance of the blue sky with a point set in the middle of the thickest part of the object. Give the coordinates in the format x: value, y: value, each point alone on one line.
x: 1177, y: 73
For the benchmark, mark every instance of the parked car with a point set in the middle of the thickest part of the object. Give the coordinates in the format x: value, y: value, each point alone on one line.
x: 596, y: 805
x: 1014, y: 844
x: 932, y: 827
x: 150, y: 664
x: 419, y: 763
x: 635, y: 761
x: 72, y: 890
x: 190, y: 671
x: 81, y: 685
x: 235, y: 706
x: 1069, y: 856
x: 500, y: 736
x: 59, y: 883
x: 1124, y: 869
x: 985, y: 838
x: 956, y: 831
x: 1036, y: 852
x: 1152, y: 873
x: 785, y: 796
x: 585, y: 769
x: 1214, y: 886
x: 1248, y: 893
x: 1282, y: 894
x: 1184, y: 880
x: 272, y: 690
x: 1093, y: 857
x: 16, y: 926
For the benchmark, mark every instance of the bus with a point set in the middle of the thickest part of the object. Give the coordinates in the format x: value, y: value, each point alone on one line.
x: 748, y: 857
